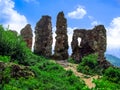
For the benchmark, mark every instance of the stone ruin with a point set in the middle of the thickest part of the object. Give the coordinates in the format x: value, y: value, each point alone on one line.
x: 92, y: 41
x: 61, y: 45
x: 43, y: 37
x: 27, y: 35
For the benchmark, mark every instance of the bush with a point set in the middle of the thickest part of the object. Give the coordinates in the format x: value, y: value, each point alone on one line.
x: 113, y: 74
x: 52, y: 76
x: 104, y: 84
x: 13, y: 46
x: 71, y: 60
x: 88, y: 65
x: 90, y: 60
x: 5, y: 58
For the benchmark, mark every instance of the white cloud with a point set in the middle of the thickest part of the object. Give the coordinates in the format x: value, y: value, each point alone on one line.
x: 113, y: 37
x: 70, y: 34
x: 33, y: 1
x: 9, y: 16
x: 113, y: 34
x: 79, y: 13
x: 91, y: 18
x: 94, y: 22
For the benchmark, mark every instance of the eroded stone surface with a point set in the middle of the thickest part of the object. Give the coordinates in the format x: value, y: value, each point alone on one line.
x: 27, y: 35
x: 92, y: 41
x: 43, y: 37
x: 61, y: 45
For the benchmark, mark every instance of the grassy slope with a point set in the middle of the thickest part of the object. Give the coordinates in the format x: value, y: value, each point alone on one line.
x: 47, y: 76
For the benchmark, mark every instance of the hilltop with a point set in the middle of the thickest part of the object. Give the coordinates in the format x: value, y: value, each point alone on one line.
x: 86, y: 69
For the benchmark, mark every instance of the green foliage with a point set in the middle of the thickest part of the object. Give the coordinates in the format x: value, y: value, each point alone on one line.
x: 9, y: 87
x: 89, y: 64
x: 112, y: 74
x: 90, y: 60
x: 69, y: 72
x: 48, y: 76
x: 13, y: 46
x: 54, y: 77
x: 4, y: 58
x: 71, y: 60
x: 4, y: 76
x: 104, y: 84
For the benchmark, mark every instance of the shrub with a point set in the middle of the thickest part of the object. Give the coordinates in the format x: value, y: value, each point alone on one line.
x: 13, y: 46
x: 90, y: 60
x: 88, y: 65
x: 5, y: 58
x: 113, y: 74
x: 71, y: 60
x: 104, y: 84
x: 52, y: 76
x: 69, y: 72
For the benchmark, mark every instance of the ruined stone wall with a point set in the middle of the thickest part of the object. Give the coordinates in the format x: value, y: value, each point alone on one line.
x: 92, y: 41
x: 27, y: 35
x: 43, y: 37
x: 61, y: 45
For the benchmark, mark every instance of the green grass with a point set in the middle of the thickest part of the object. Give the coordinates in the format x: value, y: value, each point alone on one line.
x: 47, y: 76
x: 89, y: 65
x: 104, y: 84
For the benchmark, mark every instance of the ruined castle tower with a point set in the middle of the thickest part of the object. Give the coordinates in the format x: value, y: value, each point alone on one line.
x: 27, y: 35
x: 61, y: 45
x: 43, y: 37
x: 92, y: 41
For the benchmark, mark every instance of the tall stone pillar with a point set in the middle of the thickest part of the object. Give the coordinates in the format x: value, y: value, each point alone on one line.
x: 61, y: 45
x: 43, y: 37
x: 27, y: 35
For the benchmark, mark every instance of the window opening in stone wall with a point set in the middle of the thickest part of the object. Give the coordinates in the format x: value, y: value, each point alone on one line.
x: 79, y: 41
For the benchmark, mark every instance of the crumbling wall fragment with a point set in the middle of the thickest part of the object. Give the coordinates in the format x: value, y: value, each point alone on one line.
x: 92, y: 41
x: 27, y: 35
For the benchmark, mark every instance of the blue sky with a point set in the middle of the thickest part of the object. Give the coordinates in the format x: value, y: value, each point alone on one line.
x: 102, y: 11
x: 79, y: 14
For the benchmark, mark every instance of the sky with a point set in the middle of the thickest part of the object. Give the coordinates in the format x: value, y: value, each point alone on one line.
x: 79, y: 13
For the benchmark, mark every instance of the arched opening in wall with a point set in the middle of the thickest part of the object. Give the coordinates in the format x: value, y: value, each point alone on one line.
x: 79, y: 41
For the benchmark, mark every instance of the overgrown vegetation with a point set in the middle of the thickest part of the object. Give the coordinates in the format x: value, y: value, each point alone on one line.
x: 113, y: 74
x: 13, y: 46
x: 71, y: 60
x: 104, y: 84
x: 109, y: 78
x: 89, y: 65
x: 5, y: 58
x: 47, y: 75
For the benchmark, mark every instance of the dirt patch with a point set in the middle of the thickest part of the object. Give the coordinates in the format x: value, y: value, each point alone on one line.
x: 87, y: 78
